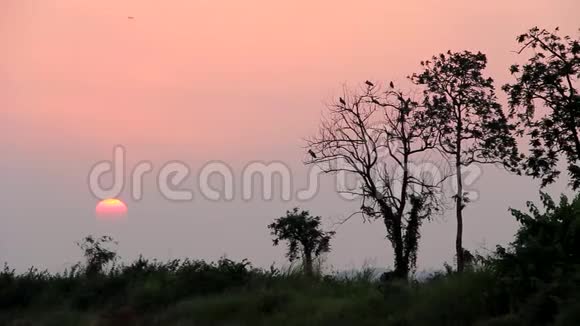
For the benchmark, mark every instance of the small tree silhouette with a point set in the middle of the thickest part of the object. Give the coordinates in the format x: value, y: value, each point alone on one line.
x: 96, y: 253
x: 304, y: 236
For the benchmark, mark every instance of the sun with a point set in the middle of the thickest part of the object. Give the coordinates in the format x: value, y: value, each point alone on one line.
x: 111, y: 209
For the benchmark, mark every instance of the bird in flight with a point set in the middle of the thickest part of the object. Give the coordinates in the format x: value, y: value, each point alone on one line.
x: 312, y: 153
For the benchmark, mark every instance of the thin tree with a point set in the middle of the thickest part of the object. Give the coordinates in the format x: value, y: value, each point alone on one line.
x: 97, y: 253
x: 471, y: 125
x: 373, y: 135
x: 304, y: 235
x: 545, y: 101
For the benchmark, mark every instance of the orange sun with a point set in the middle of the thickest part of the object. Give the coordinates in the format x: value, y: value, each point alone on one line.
x: 111, y: 208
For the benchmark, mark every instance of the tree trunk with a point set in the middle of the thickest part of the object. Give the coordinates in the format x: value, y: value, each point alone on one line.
x: 394, y: 229
x: 308, y: 269
x: 401, y: 266
x: 459, y: 213
x: 411, y: 238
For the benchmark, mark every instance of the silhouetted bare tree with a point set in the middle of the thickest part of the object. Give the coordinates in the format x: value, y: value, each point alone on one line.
x: 472, y: 128
x: 549, y: 80
x: 374, y: 135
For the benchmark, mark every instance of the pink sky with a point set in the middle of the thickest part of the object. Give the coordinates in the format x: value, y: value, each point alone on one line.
x: 199, y: 80
x: 182, y: 71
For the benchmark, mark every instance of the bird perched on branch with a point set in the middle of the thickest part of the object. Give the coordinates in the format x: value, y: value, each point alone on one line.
x: 312, y: 153
x: 369, y: 83
x: 392, y: 85
x: 342, y: 101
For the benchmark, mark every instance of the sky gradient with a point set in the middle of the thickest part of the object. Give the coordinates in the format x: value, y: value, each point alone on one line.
x: 236, y: 81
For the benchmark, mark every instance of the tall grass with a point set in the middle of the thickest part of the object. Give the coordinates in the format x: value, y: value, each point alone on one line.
x: 189, y: 292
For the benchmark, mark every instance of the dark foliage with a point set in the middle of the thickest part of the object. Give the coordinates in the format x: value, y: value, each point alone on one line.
x: 143, y: 284
x: 540, y: 271
x: 545, y: 101
x: 97, y: 253
x: 304, y: 235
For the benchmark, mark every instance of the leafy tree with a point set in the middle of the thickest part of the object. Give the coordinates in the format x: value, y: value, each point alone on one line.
x: 545, y: 101
x: 96, y: 253
x: 471, y: 127
x: 376, y: 136
x: 304, y: 236
x: 547, y: 243
x: 543, y: 263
